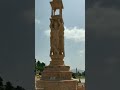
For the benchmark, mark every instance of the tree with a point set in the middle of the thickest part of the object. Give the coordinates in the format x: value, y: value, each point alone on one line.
x: 8, y: 86
x: 73, y: 75
x: 43, y: 64
x: 35, y: 67
x: 79, y: 74
x: 40, y: 66
x: 1, y: 84
x: 19, y: 88
x: 83, y: 73
x: 1, y: 81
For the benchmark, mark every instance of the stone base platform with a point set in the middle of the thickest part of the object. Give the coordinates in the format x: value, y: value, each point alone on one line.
x: 56, y: 73
x: 57, y: 77
x: 56, y: 85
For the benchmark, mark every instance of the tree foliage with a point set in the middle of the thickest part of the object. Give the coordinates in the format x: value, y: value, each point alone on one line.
x: 1, y: 81
x: 74, y: 75
x: 19, y: 88
x: 78, y: 74
x: 83, y: 73
x: 40, y: 66
x: 8, y: 86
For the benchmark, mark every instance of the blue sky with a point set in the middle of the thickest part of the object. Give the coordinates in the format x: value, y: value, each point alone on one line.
x: 74, y: 23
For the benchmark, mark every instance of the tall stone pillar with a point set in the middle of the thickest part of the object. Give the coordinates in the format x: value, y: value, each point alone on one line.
x: 57, y: 34
x: 57, y: 76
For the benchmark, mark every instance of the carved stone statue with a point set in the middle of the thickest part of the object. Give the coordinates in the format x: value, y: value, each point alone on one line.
x: 56, y: 4
x: 61, y: 38
x: 57, y: 37
x: 54, y: 38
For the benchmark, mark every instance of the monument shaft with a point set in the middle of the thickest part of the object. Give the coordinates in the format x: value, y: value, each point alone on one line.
x: 56, y: 34
x: 57, y: 76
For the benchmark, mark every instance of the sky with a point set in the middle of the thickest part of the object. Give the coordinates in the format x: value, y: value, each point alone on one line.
x: 102, y: 27
x: 74, y: 23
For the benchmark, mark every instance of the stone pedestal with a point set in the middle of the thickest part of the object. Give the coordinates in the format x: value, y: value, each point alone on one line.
x: 56, y: 73
x: 57, y: 85
x: 56, y: 78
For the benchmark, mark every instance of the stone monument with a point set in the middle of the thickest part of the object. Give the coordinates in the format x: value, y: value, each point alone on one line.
x: 56, y: 76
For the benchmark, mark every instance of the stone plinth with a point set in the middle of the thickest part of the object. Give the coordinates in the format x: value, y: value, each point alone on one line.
x: 56, y: 73
x: 57, y: 85
x: 56, y: 78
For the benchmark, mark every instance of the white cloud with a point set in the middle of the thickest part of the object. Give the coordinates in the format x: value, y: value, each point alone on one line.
x: 81, y: 51
x: 37, y: 21
x: 47, y: 32
x: 75, y: 34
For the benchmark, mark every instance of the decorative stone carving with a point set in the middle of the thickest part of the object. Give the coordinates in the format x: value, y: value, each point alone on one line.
x: 56, y: 4
x: 57, y: 37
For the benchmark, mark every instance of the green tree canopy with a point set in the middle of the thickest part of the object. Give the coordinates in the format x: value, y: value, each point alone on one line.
x: 8, y: 86
x: 19, y: 88
x: 83, y: 73
x: 1, y: 84
x: 79, y: 74
x: 40, y: 66
x: 1, y: 81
